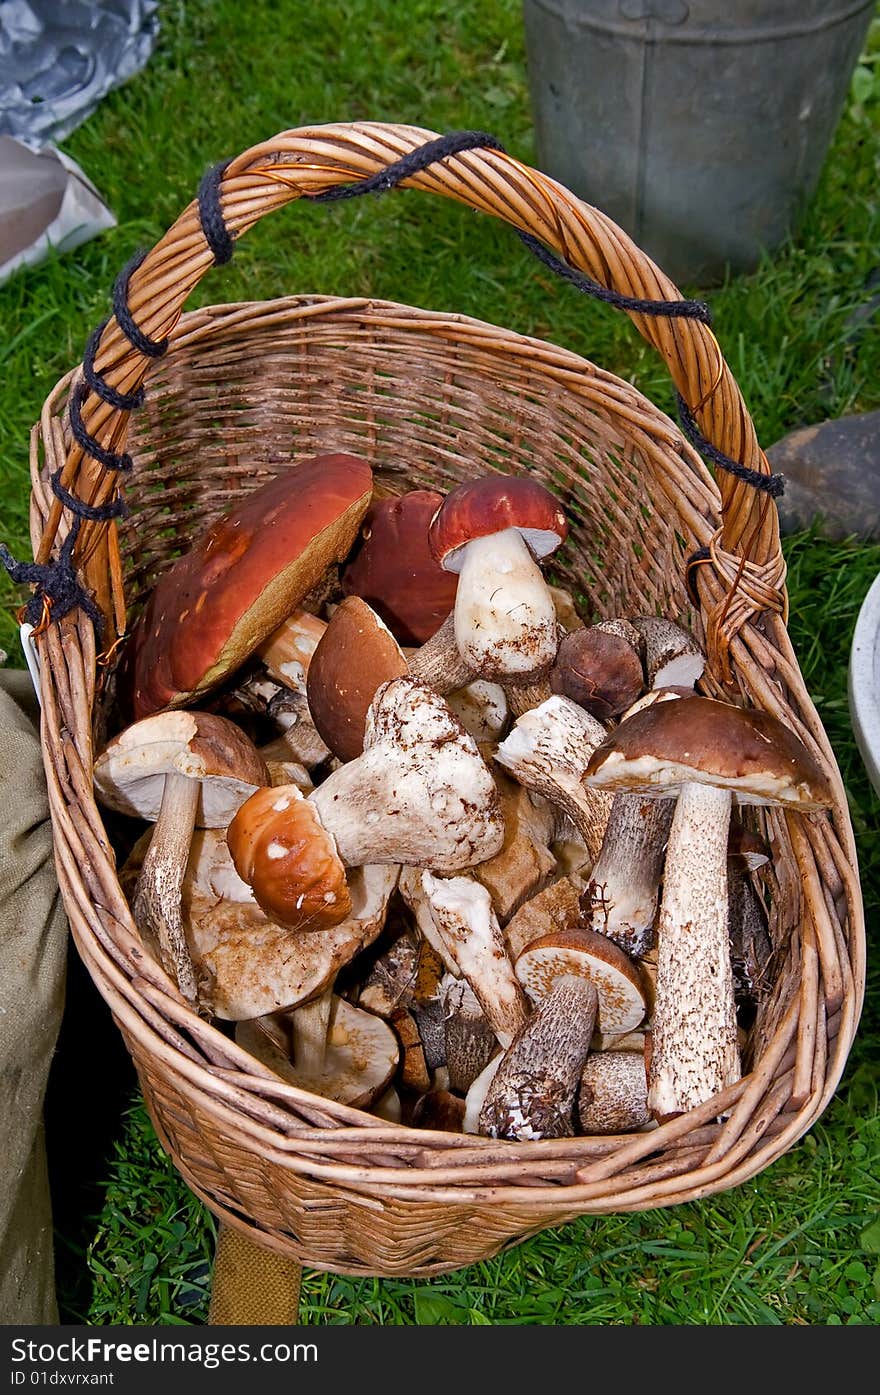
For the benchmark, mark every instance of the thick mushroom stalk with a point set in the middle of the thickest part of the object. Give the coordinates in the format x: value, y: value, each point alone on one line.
x: 421, y: 793
x: 473, y: 943
x: 694, y: 1040
x: 547, y: 750
x: 621, y: 896
x: 532, y: 1093
x: 505, y: 620
x: 156, y: 900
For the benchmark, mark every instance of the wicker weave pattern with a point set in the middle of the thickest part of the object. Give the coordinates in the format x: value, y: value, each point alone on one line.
x: 432, y: 398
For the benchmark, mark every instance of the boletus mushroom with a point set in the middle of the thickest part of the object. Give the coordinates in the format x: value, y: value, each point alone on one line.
x: 177, y: 770
x: 707, y: 754
x: 211, y: 608
x: 493, y: 531
x: 579, y: 981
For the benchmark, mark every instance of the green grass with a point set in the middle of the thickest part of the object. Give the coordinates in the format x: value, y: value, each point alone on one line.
x: 798, y: 1244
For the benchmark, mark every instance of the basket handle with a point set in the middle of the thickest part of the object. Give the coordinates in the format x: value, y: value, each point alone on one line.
x: 315, y: 160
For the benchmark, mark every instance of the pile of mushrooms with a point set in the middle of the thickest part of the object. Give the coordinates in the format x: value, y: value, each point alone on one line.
x: 431, y: 843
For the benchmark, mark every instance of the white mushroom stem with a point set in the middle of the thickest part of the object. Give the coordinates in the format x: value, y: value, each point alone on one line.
x: 311, y: 1023
x: 467, y: 926
x: 288, y: 651
x: 547, y: 750
x: 504, y: 616
x: 156, y: 900
x: 694, y: 1039
x: 621, y: 896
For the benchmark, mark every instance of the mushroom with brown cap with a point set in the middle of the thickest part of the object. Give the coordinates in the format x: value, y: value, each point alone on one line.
x: 282, y: 850
x: 393, y: 569
x: 579, y: 981
x: 356, y: 1067
x: 599, y: 666
x: 179, y: 771
x: 355, y: 656
x: 706, y: 754
x: 211, y: 608
x: 493, y: 531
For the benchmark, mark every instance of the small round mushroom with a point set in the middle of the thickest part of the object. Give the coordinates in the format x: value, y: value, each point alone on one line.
x: 706, y: 754
x: 177, y: 770
x: 282, y: 850
x: 211, y: 608
x: 599, y: 667
x: 493, y: 531
x: 392, y: 568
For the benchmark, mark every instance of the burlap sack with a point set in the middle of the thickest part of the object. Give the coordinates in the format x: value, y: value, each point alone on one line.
x: 33, y: 947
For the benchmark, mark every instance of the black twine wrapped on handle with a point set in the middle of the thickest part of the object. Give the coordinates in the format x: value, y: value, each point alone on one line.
x: 57, y: 589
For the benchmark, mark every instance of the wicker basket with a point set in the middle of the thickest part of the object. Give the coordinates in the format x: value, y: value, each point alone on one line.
x: 429, y: 399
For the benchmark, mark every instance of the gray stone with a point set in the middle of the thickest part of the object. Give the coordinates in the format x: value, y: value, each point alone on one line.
x: 832, y: 477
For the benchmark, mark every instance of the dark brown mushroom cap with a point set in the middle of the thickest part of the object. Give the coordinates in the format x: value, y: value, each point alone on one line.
x: 212, y: 607
x: 599, y: 670
x: 130, y: 772
x: 491, y: 504
x: 585, y: 954
x: 356, y: 654
x: 701, y: 740
x: 280, y: 848
x: 394, y: 570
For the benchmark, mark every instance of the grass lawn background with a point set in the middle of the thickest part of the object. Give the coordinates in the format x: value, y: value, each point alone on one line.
x: 801, y: 1242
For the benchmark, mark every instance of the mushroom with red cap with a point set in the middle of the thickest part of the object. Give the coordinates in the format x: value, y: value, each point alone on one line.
x: 178, y: 770
x: 393, y: 569
x: 493, y: 531
x: 211, y: 608
x: 706, y: 754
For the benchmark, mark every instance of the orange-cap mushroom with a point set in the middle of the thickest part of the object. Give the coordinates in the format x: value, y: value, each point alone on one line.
x: 212, y: 607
